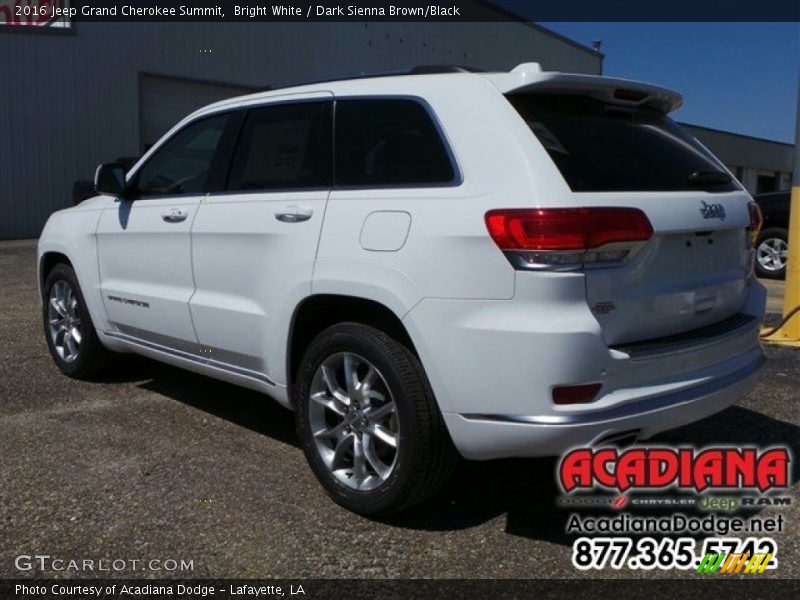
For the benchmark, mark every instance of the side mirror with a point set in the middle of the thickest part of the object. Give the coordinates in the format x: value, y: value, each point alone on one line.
x: 109, y: 179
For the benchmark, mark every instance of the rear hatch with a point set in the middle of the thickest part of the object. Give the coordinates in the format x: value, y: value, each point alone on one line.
x: 694, y: 270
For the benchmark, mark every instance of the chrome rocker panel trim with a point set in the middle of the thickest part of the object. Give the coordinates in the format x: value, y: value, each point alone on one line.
x: 200, y: 360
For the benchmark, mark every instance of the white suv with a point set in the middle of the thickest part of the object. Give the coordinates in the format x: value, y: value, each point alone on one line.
x: 424, y: 266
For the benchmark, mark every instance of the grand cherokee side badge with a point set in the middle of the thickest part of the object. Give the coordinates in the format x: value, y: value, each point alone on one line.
x: 712, y: 211
x: 122, y: 300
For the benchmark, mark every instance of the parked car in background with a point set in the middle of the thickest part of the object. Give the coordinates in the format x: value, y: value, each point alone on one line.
x: 772, y: 246
x: 83, y: 189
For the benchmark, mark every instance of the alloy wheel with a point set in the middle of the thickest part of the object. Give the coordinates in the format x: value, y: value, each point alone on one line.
x: 353, y: 420
x: 64, y: 321
x: 772, y: 253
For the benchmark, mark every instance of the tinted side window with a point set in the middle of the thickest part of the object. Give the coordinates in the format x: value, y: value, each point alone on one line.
x: 282, y: 147
x: 388, y: 142
x: 182, y: 164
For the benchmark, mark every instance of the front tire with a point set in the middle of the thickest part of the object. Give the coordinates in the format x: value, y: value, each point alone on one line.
x: 368, y: 422
x: 71, y: 336
x: 772, y: 250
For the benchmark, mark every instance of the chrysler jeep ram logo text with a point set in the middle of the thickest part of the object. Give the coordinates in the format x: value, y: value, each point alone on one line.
x: 712, y: 211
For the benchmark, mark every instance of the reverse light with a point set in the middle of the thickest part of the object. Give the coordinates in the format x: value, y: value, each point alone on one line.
x: 575, y: 394
x: 567, y: 237
x: 756, y: 221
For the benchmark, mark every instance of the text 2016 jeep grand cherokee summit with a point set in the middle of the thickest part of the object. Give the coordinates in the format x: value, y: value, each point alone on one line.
x: 422, y: 266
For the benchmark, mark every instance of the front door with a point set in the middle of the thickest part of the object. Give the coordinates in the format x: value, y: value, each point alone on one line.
x: 144, y: 243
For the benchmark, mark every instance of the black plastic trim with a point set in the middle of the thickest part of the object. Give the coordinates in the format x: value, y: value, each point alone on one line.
x: 689, y: 340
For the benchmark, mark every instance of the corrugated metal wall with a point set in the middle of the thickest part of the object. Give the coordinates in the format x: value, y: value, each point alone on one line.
x: 742, y: 150
x: 748, y: 156
x: 71, y: 101
x: 163, y: 101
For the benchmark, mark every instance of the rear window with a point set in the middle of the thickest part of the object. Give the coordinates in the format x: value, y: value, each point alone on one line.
x: 600, y: 147
x: 388, y: 142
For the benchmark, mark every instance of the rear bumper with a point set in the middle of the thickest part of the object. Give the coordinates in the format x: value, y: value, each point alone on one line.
x: 493, y: 365
x: 486, y: 436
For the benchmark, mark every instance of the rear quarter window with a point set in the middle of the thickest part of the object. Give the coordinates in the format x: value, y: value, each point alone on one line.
x: 599, y: 147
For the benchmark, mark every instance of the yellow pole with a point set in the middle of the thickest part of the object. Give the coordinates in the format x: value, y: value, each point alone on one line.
x: 789, y: 333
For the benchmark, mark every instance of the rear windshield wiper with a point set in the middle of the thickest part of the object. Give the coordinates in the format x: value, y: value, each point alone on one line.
x: 709, y: 177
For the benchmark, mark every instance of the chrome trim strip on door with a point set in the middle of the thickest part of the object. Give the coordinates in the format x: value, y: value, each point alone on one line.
x: 157, y: 339
x: 202, y: 360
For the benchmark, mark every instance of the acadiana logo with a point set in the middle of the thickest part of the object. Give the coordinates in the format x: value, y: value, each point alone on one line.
x: 649, y: 468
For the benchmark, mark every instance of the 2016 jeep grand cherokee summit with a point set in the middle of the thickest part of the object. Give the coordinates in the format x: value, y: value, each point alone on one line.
x: 424, y: 266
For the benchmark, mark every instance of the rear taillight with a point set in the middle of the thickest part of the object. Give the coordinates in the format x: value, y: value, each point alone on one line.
x: 567, y: 237
x: 756, y: 221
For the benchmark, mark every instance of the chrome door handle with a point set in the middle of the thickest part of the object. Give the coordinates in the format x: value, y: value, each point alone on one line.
x: 174, y: 215
x: 293, y: 214
x: 285, y: 217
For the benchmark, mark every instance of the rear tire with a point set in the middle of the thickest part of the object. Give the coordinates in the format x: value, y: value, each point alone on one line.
x: 377, y: 445
x: 70, y: 334
x: 771, y: 253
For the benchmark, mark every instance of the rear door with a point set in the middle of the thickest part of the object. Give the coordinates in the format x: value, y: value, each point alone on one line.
x: 144, y: 245
x: 254, y: 242
x: 694, y: 270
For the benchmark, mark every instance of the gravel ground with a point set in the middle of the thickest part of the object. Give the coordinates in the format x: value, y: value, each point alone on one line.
x: 154, y: 462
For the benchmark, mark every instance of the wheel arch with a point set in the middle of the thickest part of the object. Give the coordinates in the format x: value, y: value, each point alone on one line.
x: 774, y: 220
x: 80, y: 254
x: 317, y: 312
x: 48, y: 260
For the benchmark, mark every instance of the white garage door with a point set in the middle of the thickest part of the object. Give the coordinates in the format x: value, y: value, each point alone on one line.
x: 164, y: 101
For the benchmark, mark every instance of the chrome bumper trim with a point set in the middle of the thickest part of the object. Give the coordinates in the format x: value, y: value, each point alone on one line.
x: 632, y: 409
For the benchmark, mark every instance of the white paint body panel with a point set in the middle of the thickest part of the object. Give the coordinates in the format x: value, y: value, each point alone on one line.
x: 251, y: 271
x: 493, y: 341
x: 385, y: 230
x: 145, y: 267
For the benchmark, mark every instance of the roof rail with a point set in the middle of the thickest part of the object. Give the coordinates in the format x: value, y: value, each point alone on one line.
x: 434, y: 69
x: 418, y: 70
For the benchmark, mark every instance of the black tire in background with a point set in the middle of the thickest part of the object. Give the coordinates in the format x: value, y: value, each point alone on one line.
x: 92, y: 357
x: 425, y: 456
x: 770, y: 241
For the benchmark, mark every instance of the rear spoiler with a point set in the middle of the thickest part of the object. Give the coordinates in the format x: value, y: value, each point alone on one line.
x: 529, y: 78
